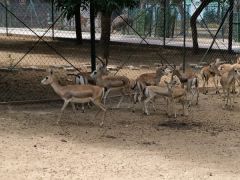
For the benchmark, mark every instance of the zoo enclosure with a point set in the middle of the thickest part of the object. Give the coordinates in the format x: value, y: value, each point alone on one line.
x: 162, y: 29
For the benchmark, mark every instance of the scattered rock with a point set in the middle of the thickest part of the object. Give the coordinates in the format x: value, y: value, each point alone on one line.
x: 63, y: 140
x: 149, y: 143
x: 110, y: 137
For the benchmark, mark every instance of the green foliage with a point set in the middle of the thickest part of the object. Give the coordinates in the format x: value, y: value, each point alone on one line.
x: 104, y: 6
x: 68, y: 6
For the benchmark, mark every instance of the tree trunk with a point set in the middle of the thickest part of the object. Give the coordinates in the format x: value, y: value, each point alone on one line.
x: 105, y: 35
x: 193, y: 22
x: 78, y: 24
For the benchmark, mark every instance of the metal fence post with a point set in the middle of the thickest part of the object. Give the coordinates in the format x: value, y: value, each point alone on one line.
x: 6, y: 16
x: 184, y: 35
x: 93, y: 43
x: 230, y: 35
x: 164, y: 23
x: 52, y: 19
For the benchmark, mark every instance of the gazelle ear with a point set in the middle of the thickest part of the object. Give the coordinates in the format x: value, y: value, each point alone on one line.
x: 238, y: 60
x: 217, y: 61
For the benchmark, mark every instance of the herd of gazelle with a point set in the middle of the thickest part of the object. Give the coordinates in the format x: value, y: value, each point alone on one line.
x: 182, y: 87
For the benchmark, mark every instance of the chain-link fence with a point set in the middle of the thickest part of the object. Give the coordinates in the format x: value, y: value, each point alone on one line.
x: 34, y: 36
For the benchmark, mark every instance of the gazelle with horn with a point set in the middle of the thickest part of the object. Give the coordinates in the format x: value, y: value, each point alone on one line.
x: 75, y: 93
x: 111, y: 83
x: 190, y: 79
x: 148, y: 79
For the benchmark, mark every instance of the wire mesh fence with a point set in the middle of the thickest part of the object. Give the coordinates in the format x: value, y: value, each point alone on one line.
x: 34, y: 36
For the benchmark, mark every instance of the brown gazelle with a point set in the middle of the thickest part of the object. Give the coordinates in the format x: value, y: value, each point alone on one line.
x: 227, y: 81
x: 111, y: 83
x: 170, y: 92
x: 210, y: 71
x: 190, y: 79
x: 148, y: 79
x: 75, y: 93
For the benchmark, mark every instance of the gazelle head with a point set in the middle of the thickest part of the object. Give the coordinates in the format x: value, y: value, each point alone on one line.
x: 100, y: 70
x: 162, y: 71
x: 49, y: 78
x: 213, y: 67
x: 236, y: 73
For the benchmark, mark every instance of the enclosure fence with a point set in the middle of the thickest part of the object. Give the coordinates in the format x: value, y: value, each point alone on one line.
x: 35, y: 36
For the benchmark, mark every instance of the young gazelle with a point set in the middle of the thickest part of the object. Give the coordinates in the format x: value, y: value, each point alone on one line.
x: 148, y: 79
x: 210, y: 71
x: 111, y: 83
x: 227, y: 81
x: 191, y: 81
x: 171, y: 92
x: 75, y: 93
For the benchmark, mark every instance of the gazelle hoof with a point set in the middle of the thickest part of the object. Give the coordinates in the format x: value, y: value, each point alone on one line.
x: 217, y: 92
x: 101, y: 124
x: 146, y: 113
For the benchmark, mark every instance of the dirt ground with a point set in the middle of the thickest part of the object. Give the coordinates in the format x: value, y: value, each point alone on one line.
x: 204, y: 145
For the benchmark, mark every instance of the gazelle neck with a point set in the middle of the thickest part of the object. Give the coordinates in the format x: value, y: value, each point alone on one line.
x: 57, y: 87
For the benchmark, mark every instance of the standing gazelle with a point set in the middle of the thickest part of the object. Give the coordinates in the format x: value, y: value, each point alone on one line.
x: 111, y: 83
x: 227, y: 81
x: 75, y: 93
x: 210, y: 71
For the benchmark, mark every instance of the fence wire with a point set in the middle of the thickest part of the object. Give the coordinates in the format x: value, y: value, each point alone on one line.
x: 34, y: 37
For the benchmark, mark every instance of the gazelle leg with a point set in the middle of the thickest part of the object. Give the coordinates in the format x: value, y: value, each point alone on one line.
x: 63, y: 108
x: 174, y: 108
x: 121, y: 99
x: 105, y: 96
x: 146, y: 101
x: 83, y: 108
x: 74, y: 110
x: 153, y: 104
x: 216, y: 86
x: 197, y: 101
x: 101, y: 106
x: 73, y: 107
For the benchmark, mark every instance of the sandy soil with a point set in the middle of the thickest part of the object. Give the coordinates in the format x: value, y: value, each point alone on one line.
x: 205, y: 145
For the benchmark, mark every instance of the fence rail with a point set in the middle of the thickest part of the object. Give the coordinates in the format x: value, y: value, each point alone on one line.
x: 28, y: 45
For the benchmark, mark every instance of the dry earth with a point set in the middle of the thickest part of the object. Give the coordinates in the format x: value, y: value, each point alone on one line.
x: 205, y: 145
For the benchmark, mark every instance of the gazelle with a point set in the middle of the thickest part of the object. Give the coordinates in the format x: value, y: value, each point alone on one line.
x: 227, y: 81
x: 210, y: 71
x: 224, y: 68
x: 111, y: 83
x: 170, y: 92
x: 192, y: 83
x: 75, y: 93
x: 148, y: 79
x: 83, y: 78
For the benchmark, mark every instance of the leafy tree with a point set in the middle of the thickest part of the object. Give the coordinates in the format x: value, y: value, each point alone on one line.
x: 105, y: 7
